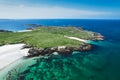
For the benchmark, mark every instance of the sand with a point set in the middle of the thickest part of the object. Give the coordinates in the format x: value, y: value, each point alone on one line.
x: 78, y: 39
x: 11, y: 53
x: 25, y: 31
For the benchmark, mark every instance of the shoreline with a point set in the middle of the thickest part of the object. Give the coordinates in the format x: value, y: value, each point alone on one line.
x: 14, y: 52
x: 17, y: 66
x: 63, y: 40
x: 11, y: 53
x: 24, y: 30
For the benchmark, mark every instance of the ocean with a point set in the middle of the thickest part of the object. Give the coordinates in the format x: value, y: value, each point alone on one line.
x: 102, y: 63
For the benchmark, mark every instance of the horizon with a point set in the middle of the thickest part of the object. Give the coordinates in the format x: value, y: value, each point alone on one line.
x: 55, y: 9
x: 58, y: 19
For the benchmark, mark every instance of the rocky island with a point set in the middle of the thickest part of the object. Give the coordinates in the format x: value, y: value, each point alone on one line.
x: 51, y: 40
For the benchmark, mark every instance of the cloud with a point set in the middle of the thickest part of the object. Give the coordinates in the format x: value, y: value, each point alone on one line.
x: 21, y: 6
x: 22, y: 11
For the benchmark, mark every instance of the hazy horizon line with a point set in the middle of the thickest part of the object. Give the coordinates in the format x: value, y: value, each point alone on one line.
x: 59, y: 18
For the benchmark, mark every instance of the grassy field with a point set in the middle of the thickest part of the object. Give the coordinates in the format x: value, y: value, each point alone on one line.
x: 45, y: 37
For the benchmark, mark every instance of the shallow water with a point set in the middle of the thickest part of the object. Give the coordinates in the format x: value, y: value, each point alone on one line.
x: 102, y: 63
x: 11, y: 71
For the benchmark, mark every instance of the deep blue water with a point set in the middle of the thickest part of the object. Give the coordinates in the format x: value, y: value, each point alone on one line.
x: 106, y: 54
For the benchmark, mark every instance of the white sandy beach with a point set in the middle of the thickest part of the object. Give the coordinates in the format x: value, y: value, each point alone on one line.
x: 78, y: 39
x: 25, y: 31
x: 11, y: 53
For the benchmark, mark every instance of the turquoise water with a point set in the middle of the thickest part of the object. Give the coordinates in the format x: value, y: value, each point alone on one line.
x: 101, y: 63
x: 10, y: 72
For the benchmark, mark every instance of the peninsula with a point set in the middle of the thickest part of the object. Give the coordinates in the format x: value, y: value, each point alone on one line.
x: 47, y: 40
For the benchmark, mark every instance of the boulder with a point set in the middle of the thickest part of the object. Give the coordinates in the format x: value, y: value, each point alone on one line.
x: 86, y: 47
x: 26, y: 46
x: 35, y: 52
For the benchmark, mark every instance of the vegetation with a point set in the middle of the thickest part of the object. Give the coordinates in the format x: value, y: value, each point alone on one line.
x: 45, y: 36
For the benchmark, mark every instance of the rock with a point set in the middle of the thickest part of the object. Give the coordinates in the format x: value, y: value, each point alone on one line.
x: 26, y: 46
x: 5, y: 31
x: 86, y: 47
x: 54, y: 48
x: 48, y: 51
x: 55, y: 53
x: 35, y: 52
x: 33, y: 25
x: 62, y: 50
x: 97, y: 36
x: 29, y: 28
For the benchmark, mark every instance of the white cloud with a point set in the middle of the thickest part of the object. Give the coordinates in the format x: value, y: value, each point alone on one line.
x: 21, y: 6
x: 22, y: 11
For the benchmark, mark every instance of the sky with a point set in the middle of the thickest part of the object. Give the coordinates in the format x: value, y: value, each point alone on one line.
x: 60, y: 9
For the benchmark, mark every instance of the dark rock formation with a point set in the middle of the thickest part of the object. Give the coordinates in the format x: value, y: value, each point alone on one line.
x: 26, y: 46
x: 97, y: 36
x: 29, y: 28
x: 86, y: 47
x: 62, y: 50
x: 33, y: 25
x: 5, y: 31
x: 35, y: 52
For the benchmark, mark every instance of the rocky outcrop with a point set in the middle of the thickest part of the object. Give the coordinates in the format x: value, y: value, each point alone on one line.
x: 33, y: 25
x: 5, y: 31
x: 26, y: 46
x: 97, y: 36
x: 61, y: 50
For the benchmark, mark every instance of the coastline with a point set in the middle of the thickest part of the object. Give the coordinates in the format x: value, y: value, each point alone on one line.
x: 111, y: 69
x: 53, y: 51
x: 24, y: 31
x: 77, y: 42
x: 17, y: 66
x: 11, y: 53
x: 63, y: 40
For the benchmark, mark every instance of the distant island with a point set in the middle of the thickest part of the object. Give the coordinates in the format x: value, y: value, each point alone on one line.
x: 47, y: 40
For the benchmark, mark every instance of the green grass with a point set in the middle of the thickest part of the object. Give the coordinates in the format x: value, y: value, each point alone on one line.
x: 45, y: 37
